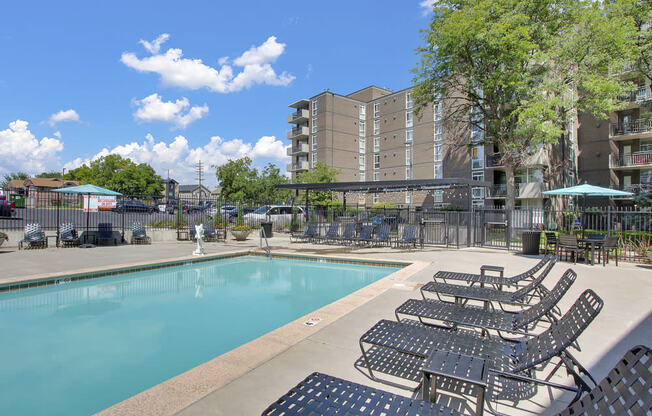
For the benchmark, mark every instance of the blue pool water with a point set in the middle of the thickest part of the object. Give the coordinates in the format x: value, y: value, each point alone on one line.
x: 80, y: 347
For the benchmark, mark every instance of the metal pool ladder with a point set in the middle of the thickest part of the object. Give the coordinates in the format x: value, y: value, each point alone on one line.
x: 263, y: 234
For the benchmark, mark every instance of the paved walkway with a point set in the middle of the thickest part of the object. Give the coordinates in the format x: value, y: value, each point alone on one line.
x: 625, y: 321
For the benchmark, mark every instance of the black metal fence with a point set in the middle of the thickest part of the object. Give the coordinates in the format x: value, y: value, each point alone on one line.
x: 496, y: 228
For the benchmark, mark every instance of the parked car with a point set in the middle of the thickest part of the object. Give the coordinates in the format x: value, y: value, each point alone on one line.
x: 203, y: 206
x: 279, y: 215
x: 6, y: 207
x: 133, y: 206
x: 232, y: 215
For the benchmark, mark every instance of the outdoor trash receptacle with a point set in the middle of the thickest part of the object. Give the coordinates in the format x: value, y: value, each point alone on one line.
x: 531, y: 242
x: 267, y: 226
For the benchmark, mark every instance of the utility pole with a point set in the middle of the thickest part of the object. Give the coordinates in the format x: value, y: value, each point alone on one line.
x: 199, y: 169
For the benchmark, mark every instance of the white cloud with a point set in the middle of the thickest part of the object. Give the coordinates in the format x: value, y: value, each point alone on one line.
x: 155, y: 46
x: 21, y: 151
x: 427, y: 6
x: 193, y: 74
x: 179, y: 157
x: 63, y: 116
x: 179, y: 112
x: 57, y: 134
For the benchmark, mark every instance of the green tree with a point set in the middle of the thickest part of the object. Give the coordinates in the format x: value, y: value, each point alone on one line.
x: 640, y: 12
x: 240, y: 181
x: 56, y: 175
x: 519, y: 71
x: 119, y: 174
x: 321, y: 173
x: 268, y: 178
x: 12, y: 176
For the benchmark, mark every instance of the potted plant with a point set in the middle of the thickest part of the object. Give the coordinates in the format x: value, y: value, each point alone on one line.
x: 3, y: 237
x: 240, y: 232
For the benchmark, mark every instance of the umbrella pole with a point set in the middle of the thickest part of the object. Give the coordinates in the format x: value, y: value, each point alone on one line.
x: 88, y: 211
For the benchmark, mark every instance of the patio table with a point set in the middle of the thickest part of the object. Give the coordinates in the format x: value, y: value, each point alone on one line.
x: 592, y: 243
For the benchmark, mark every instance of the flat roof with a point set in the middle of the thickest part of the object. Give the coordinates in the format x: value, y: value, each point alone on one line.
x: 387, y: 186
x: 300, y: 103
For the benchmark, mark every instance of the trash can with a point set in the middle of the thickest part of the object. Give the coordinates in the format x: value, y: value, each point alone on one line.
x: 531, y: 242
x: 267, y: 227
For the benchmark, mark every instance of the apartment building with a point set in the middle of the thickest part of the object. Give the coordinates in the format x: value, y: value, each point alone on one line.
x: 374, y: 134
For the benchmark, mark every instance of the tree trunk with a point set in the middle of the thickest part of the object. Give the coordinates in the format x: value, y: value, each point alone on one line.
x: 511, y: 188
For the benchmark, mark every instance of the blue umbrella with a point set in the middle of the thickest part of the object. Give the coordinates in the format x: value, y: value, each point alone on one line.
x: 587, y: 190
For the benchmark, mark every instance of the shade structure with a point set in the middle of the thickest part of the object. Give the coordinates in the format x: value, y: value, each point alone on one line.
x: 587, y: 190
x: 87, y: 189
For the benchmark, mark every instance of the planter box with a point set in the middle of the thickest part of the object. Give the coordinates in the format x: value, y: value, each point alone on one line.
x: 240, y: 235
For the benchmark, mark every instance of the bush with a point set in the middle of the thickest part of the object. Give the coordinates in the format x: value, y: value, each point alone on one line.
x: 239, y: 221
x: 180, y: 219
x: 158, y: 224
x: 384, y: 205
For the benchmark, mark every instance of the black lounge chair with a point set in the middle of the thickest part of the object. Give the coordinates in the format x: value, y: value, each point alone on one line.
x: 139, y: 235
x: 382, y: 236
x: 409, y: 237
x: 484, y: 278
x: 209, y: 231
x: 105, y: 233
x: 68, y: 235
x: 331, y: 233
x: 624, y: 391
x: 34, y: 237
x: 365, y: 235
x: 347, y: 235
x: 321, y: 394
x: 524, y: 295
x: 309, y: 233
x: 409, y: 343
x: 517, y: 322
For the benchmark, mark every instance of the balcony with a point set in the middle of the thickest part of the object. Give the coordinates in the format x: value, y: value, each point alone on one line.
x: 299, y: 148
x: 493, y: 161
x: 298, y: 166
x: 301, y: 132
x: 531, y: 190
x: 497, y: 191
x: 642, y: 94
x: 639, y: 188
x: 300, y: 116
x: 631, y: 130
x: 633, y: 160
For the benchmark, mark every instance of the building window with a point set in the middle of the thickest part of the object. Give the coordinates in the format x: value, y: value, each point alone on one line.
x: 314, y: 124
x: 376, y: 144
x: 376, y: 198
x: 408, y: 172
x: 439, y: 152
x: 408, y: 197
x: 477, y: 157
x: 478, y: 203
x: 376, y: 126
x: 376, y: 110
x: 376, y: 161
x: 408, y: 100
x: 439, y: 171
x: 376, y: 175
x: 409, y: 122
x: 362, y: 145
x: 408, y: 153
x: 438, y: 196
x: 409, y: 135
x: 362, y: 176
x: 477, y: 192
x: 314, y: 159
x: 362, y: 128
x: 438, y: 132
x: 314, y: 107
x: 314, y: 142
x: 438, y: 111
x: 363, y: 112
x: 361, y: 159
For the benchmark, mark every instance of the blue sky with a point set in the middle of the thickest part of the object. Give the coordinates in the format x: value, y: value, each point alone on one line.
x: 169, y: 82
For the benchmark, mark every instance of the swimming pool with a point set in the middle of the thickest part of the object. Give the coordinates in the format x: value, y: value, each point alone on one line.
x: 80, y: 347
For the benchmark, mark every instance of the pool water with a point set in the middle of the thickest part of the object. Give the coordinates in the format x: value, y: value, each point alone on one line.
x: 80, y: 347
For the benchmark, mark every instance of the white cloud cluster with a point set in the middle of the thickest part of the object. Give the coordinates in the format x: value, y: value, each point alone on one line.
x: 21, y: 151
x: 63, y: 116
x: 177, y: 71
x: 180, y: 158
x: 179, y: 112
x: 427, y: 6
x: 155, y: 46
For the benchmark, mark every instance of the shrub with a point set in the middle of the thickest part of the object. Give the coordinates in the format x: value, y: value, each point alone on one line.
x: 384, y: 205
x: 180, y: 219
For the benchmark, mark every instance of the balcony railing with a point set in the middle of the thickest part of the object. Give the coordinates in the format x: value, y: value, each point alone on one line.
x: 643, y: 93
x: 300, y: 148
x: 497, y: 191
x: 639, y: 188
x: 633, y: 159
x: 299, y: 116
x: 634, y: 127
x: 298, y: 132
x: 294, y: 167
x: 494, y: 161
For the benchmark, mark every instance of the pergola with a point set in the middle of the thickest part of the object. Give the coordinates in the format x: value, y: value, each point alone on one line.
x: 387, y: 186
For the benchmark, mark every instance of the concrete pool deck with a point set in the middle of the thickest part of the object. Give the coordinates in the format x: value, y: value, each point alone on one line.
x: 263, y: 370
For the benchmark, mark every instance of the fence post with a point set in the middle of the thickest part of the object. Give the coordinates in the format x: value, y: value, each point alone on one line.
x: 123, y: 224
x: 457, y: 231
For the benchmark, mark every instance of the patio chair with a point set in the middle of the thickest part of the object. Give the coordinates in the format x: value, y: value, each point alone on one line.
x: 105, y: 233
x: 365, y: 235
x: 484, y: 278
x: 34, y: 237
x: 551, y: 241
x: 409, y: 237
x: 309, y: 233
x: 400, y: 348
x: 610, y: 245
x: 68, y: 235
x: 209, y: 231
x: 517, y: 322
x: 568, y: 244
x: 624, y: 391
x: 523, y: 296
x: 347, y: 235
x: 382, y: 236
x: 332, y: 232
x: 139, y: 235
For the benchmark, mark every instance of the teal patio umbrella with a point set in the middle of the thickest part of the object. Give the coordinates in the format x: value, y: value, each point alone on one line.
x: 89, y: 190
x: 587, y: 190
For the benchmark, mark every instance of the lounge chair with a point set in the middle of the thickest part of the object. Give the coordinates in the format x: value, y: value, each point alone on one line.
x: 209, y: 231
x: 382, y: 236
x: 409, y: 237
x: 517, y: 322
x: 568, y: 244
x: 309, y: 233
x: 105, y: 233
x: 484, y: 278
x: 139, y: 235
x: 68, y: 235
x: 331, y: 233
x: 409, y: 342
x: 365, y: 235
x: 624, y: 391
x: 34, y: 237
x: 347, y: 235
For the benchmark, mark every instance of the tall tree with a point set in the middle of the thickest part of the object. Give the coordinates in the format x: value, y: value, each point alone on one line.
x: 518, y: 71
x: 12, y: 176
x: 119, y: 174
x: 321, y: 173
x: 49, y: 175
x: 240, y: 181
x: 640, y: 12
